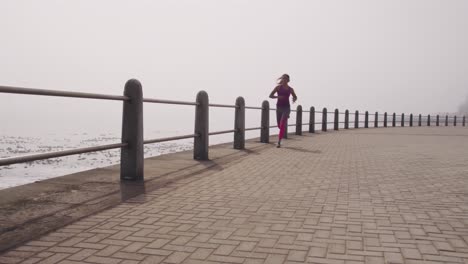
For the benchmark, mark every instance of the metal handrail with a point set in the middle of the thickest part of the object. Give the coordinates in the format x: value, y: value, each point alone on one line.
x: 222, y: 132
x: 157, y: 140
x: 34, y: 91
x: 21, y: 159
x: 161, y: 101
x: 252, y: 128
x: 222, y: 105
x: 44, y: 92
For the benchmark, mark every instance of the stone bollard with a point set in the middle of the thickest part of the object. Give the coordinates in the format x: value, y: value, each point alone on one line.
x: 411, y: 120
x: 265, y: 123
x: 366, y: 120
x: 312, y: 120
x: 239, y: 124
x: 200, y: 143
x: 376, y: 119
x: 402, y: 120
x: 346, y: 118
x: 428, y: 120
x: 419, y: 120
x: 394, y: 120
x: 335, y: 123
x: 385, y: 119
x: 132, y: 156
x: 324, y: 119
x: 299, y: 120
x: 356, y: 119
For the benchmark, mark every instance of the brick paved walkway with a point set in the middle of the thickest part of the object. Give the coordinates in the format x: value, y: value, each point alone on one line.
x: 395, y: 195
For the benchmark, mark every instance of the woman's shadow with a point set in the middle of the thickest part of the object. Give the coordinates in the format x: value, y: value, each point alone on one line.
x: 303, y: 150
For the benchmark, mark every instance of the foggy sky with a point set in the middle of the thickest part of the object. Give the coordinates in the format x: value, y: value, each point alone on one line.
x: 397, y: 56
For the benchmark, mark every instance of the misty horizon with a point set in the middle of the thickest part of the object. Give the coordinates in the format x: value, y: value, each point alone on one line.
x: 385, y: 56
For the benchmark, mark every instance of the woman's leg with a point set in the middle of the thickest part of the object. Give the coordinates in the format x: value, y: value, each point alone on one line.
x: 282, y: 126
x: 279, y: 114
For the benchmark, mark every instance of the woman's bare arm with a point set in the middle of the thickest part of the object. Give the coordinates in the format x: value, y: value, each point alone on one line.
x: 272, y: 94
x: 294, y: 95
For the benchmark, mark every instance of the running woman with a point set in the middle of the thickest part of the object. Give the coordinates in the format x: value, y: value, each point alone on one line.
x: 283, y: 91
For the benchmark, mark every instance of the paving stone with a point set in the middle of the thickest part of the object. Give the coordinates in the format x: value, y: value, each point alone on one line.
x: 357, y: 196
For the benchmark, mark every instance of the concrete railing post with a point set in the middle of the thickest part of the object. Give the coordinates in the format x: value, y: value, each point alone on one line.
x: 346, y: 119
x: 402, y: 120
x: 239, y: 124
x: 324, y: 119
x: 455, y: 121
x: 446, y: 120
x: 299, y: 120
x: 200, y: 143
x: 336, y: 120
x: 312, y: 120
x: 437, y: 120
x: 356, y: 119
x: 394, y: 120
x: 366, y: 120
x: 419, y: 120
x: 376, y: 119
x: 385, y: 119
x: 428, y: 120
x: 411, y: 120
x: 131, y: 156
x: 265, y: 123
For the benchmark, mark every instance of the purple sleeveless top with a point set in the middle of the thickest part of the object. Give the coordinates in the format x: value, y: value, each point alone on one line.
x: 284, y: 93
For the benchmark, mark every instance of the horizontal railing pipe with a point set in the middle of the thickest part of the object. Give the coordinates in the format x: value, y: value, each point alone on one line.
x: 221, y: 132
x: 57, y: 154
x: 132, y: 157
x: 222, y: 105
x: 43, y: 92
x: 161, y: 101
x: 252, y: 128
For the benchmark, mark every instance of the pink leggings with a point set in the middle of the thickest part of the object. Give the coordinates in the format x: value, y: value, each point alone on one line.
x: 282, y: 127
x: 282, y: 115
